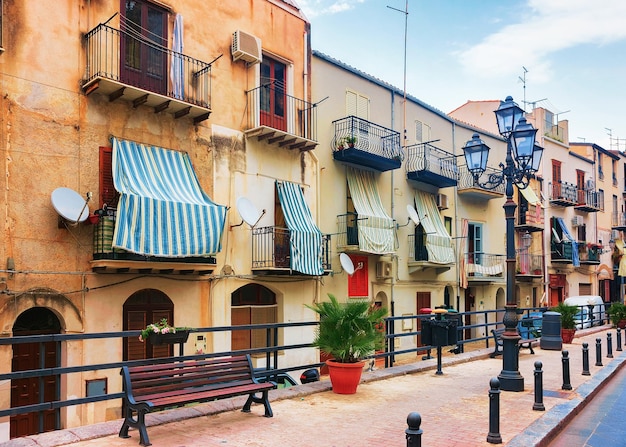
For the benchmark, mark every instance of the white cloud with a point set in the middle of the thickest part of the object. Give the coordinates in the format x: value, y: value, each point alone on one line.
x: 315, y: 8
x: 546, y: 27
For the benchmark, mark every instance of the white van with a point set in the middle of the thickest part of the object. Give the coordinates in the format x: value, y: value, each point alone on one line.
x: 588, y: 316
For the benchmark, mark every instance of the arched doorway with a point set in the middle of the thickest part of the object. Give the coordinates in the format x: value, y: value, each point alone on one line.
x: 252, y: 304
x: 26, y: 356
x: 141, y: 309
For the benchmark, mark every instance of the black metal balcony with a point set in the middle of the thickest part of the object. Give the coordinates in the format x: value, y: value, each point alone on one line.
x: 528, y: 266
x: 589, y: 253
x: 468, y: 186
x: 271, y: 252
x: 485, y: 267
x: 561, y: 252
x: 590, y: 200
x: 418, y: 257
x: 428, y: 164
x: 563, y: 194
x: 281, y: 119
x: 618, y: 221
x: 361, y: 143
x: 129, y: 67
x: 107, y: 259
x: 348, y: 232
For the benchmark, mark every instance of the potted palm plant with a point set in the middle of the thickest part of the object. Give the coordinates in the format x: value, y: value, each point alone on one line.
x: 617, y: 314
x: 348, y: 332
x: 568, y: 321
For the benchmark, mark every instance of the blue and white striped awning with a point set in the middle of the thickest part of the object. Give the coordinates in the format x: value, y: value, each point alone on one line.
x: 375, y: 228
x: 162, y: 209
x: 305, y: 241
x: 438, y: 241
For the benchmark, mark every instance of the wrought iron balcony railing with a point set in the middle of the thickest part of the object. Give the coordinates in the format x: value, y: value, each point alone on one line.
x: 481, y: 265
x: 361, y: 142
x: 561, y: 252
x: 589, y: 253
x: 528, y: 264
x: 590, y: 200
x: 348, y: 230
x: 429, y: 164
x: 618, y: 221
x: 417, y: 250
x: 468, y: 183
x: 281, y: 119
x: 127, y: 65
x: 271, y: 249
x: 563, y: 193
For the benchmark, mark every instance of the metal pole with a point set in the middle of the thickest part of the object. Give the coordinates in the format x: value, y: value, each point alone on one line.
x: 538, y: 405
x: 598, y: 352
x: 494, y: 437
x: 609, y: 345
x: 566, y: 376
x: 619, y: 339
x: 586, y: 360
x: 439, y: 371
x: 413, y: 433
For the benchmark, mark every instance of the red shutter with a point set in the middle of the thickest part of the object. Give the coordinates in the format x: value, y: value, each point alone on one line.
x: 108, y: 194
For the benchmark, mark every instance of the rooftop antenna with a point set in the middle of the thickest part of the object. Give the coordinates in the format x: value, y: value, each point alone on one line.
x: 406, y: 17
x: 610, y: 133
x: 523, y: 79
x: 534, y: 103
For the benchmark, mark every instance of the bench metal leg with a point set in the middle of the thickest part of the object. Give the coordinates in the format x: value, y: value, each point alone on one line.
x: 259, y: 400
x: 496, y: 352
x: 139, y: 423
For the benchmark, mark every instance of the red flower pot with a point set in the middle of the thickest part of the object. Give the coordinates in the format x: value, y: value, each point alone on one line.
x: 345, y: 377
x: 568, y: 335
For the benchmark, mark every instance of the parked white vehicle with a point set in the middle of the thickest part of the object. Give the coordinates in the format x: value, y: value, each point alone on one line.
x: 591, y: 310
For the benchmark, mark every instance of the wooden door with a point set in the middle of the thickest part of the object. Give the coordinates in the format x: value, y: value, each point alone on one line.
x: 273, y: 94
x: 423, y: 302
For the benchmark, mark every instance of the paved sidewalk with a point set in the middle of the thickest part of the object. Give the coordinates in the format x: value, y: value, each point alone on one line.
x: 454, y: 408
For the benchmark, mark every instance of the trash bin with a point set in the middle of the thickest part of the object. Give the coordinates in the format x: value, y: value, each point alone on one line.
x: 551, y: 331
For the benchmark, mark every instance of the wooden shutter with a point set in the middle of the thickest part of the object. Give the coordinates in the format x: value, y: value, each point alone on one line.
x: 108, y: 194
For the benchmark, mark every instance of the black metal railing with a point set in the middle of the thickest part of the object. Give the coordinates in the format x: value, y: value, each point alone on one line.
x: 348, y: 229
x: 563, y: 191
x: 485, y: 265
x: 365, y: 136
x: 271, y: 248
x: 561, y: 251
x: 426, y: 157
x: 132, y: 60
x: 589, y: 253
x: 590, y: 197
x: 270, y: 105
x: 467, y: 181
x: 529, y: 264
x: 618, y: 219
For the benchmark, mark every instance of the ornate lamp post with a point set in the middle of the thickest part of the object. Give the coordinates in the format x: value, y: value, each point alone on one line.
x: 523, y: 157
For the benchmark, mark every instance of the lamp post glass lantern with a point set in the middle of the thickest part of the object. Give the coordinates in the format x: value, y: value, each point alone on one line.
x: 523, y: 158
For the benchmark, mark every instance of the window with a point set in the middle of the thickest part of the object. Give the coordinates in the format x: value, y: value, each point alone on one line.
x: 614, y: 168
x: 447, y: 222
x: 108, y: 194
x: 273, y: 91
x: 600, y: 161
x: 145, y: 33
x: 582, y: 234
x: 556, y: 179
x: 252, y: 304
x: 475, y: 243
x: 357, y: 105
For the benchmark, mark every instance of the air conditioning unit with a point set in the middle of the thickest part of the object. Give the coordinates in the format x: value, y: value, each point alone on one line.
x: 615, y: 234
x: 442, y: 201
x: 384, y: 269
x: 577, y: 221
x: 246, y: 47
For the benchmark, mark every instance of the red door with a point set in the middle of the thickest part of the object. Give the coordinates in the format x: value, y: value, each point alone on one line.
x: 423, y: 302
x: 273, y: 94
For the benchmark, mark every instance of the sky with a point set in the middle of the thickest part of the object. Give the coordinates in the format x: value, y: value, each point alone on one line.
x: 568, y: 56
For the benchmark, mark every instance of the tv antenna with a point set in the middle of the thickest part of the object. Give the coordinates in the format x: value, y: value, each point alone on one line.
x: 406, y: 19
x: 534, y: 103
x: 523, y: 79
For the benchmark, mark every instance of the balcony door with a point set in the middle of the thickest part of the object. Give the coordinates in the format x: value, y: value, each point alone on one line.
x: 143, y: 40
x: 273, y: 94
x: 475, y: 244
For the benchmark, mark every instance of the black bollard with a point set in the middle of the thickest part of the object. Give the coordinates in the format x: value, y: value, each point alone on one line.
x: 586, y: 359
x: 538, y: 405
x: 439, y: 371
x: 609, y: 346
x: 619, y: 339
x: 566, y: 379
x: 494, y: 436
x: 598, y: 352
x: 414, y: 433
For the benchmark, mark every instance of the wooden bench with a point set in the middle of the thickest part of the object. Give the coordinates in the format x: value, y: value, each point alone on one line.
x: 526, y: 343
x: 159, y: 386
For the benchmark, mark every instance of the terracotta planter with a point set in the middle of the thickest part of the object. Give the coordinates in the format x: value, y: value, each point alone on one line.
x: 345, y: 377
x: 568, y: 335
x: 621, y: 324
x: 169, y: 339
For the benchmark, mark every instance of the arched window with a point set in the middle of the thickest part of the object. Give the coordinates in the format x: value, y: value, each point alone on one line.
x: 252, y: 304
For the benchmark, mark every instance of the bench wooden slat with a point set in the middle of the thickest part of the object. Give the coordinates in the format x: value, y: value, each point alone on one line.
x: 164, y: 385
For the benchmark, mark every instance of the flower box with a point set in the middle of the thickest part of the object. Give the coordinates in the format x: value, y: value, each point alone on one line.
x: 169, y: 338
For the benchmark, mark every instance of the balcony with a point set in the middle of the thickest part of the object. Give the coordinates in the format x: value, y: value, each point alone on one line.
x: 348, y: 234
x: 561, y: 252
x: 563, y: 194
x: 281, y: 119
x: 589, y: 253
x: 590, y: 200
x: 528, y: 266
x: 428, y: 164
x: 418, y: 258
x: 470, y: 188
x: 555, y: 132
x: 361, y: 143
x: 271, y: 252
x: 529, y: 218
x: 485, y: 267
x: 123, y: 66
x: 618, y: 221
x: 107, y: 259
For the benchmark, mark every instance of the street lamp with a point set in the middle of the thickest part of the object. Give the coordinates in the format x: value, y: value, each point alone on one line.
x: 523, y: 158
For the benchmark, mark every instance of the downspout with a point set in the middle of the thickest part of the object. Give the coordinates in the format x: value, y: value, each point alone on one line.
x: 459, y: 241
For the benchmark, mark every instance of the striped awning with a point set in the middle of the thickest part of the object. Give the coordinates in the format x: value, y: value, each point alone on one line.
x: 162, y: 209
x: 438, y: 241
x: 305, y: 239
x: 376, y: 229
x: 569, y: 237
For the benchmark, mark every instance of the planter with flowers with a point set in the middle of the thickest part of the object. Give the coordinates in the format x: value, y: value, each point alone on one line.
x: 162, y: 333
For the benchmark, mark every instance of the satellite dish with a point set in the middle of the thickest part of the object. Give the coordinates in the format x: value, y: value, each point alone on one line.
x: 248, y: 212
x: 413, y: 214
x: 70, y: 205
x: 346, y: 263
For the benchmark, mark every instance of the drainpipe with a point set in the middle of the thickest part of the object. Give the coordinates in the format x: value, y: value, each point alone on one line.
x: 459, y: 241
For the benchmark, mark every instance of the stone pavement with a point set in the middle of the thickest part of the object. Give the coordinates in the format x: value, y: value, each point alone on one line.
x: 454, y: 408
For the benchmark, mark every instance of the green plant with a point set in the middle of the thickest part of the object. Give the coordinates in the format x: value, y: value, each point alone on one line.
x: 349, y: 331
x: 617, y: 313
x: 567, y: 315
x: 162, y: 327
x: 350, y: 140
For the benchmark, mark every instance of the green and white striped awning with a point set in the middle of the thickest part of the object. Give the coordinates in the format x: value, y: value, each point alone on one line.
x: 376, y: 229
x: 438, y: 241
x: 162, y: 209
